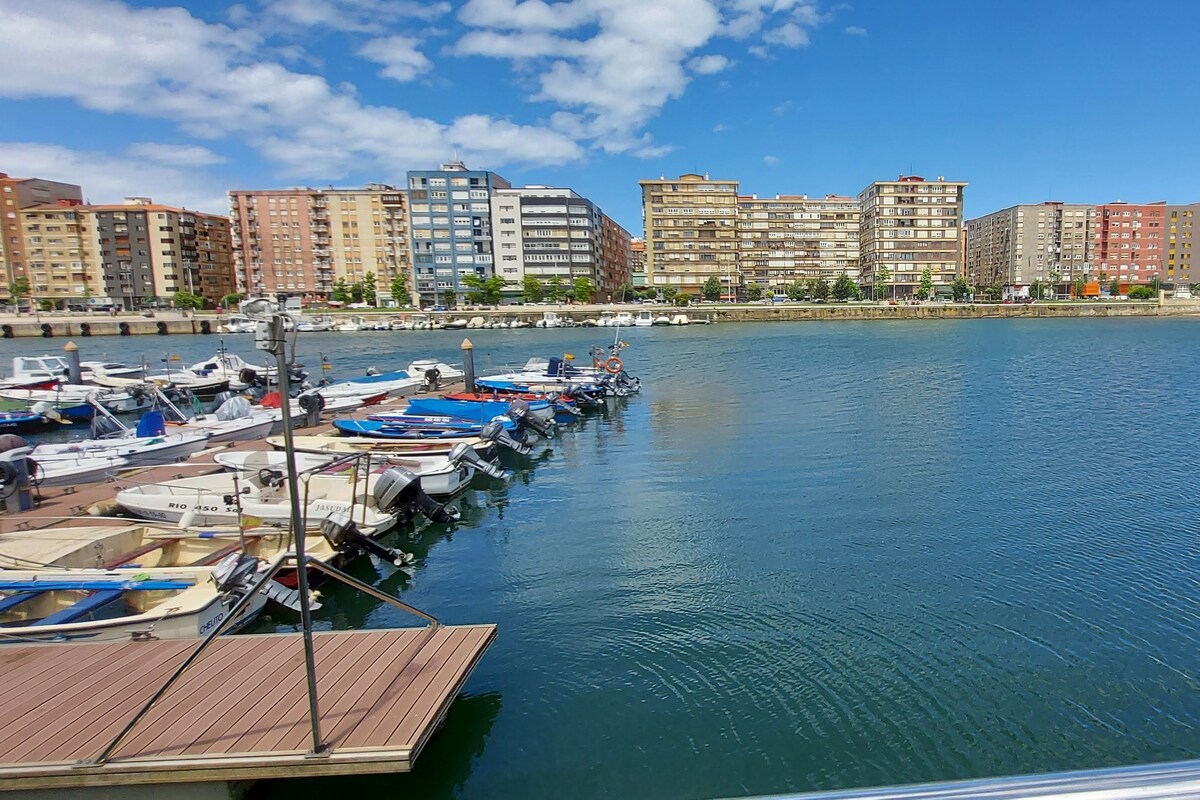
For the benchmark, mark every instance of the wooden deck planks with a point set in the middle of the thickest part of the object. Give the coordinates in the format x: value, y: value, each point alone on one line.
x: 239, y: 712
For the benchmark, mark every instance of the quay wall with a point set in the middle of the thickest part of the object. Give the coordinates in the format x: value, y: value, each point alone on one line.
x: 83, y: 326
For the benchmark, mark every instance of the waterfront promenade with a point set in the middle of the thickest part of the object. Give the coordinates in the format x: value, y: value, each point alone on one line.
x: 164, y: 323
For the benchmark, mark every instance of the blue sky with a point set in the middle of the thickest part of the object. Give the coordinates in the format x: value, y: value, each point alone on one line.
x: 1028, y: 101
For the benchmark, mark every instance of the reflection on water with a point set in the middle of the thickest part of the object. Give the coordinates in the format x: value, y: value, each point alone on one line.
x: 817, y: 555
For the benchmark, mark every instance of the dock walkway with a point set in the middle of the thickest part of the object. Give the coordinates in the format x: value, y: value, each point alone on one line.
x: 240, y: 712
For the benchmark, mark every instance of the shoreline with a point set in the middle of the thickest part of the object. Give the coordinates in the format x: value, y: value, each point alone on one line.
x: 173, y: 323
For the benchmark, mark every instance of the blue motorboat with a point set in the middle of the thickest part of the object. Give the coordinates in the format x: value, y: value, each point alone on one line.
x: 24, y: 422
x: 482, y: 411
x: 386, y: 430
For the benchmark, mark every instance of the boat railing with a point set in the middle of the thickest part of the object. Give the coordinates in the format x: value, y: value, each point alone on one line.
x: 280, y: 562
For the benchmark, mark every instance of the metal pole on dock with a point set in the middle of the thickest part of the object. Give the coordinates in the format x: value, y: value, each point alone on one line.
x: 279, y: 348
x: 468, y: 351
x: 73, y: 369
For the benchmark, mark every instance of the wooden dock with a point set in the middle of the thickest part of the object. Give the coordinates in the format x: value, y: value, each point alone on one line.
x: 240, y: 712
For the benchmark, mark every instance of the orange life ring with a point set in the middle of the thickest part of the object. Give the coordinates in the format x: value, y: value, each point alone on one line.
x: 613, y: 365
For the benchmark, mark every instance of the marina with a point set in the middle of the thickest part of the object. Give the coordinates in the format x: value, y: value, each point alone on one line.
x: 961, y: 618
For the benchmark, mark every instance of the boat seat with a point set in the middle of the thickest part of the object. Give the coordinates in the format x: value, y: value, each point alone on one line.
x: 87, y: 605
x: 125, y: 558
x: 213, y: 558
x: 14, y: 600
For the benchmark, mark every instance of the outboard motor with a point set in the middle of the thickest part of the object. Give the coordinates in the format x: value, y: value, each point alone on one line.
x: 432, y: 376
x: 520, y: 413
x: 312, y: 405
x: 343, y: 535
x: 222, y: 397
x: 463, y: 453
x: 105, y: 427
x: 494, y: 432
x: 235, y: 575
x: 397, y: 488
x: 581, y: 395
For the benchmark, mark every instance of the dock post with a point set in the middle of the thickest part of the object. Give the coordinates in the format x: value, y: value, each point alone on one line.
x: 73, y: 369
x: 468, y: 351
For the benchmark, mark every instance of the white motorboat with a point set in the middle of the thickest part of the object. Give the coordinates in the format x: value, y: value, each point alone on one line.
x: 622, y: 319
x: 139, y: 451
x: 662, y: 320
x: 456, y: 324
x: 76, y: 471
x: 47, y: 605
x: 606, y: 319
x: 446, y: 372
x: 181, y: 378
x: 69, y: 395
x: 644, y: 319
x: 519, y: 323
x: 549, y: 320
x: 315, y: 325
x: 395, y: 384
x: 375, y: 502
x: 441, y: 475
x: 236, y: 323
x: 403, y: 448
x: 680, y: 319
x: 231, y: 367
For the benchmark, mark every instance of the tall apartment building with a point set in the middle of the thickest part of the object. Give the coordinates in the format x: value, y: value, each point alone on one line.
x: 60, y: 253
x: 637, y: 261
x: 908, y: 225
x: 1049, y: 242
x: 691, y: 232
x: 791, y: 238
x: 552, y: 232
x: 1180, y: 235
x: 300, y: 242
x: 1128, y: 241
x: 17, y: 194
x: 451, y: 228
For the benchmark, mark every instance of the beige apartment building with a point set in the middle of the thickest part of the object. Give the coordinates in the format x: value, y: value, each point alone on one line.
x: 1014, y: 247
x: 299, y: 242
x: 691, y: 232
x: 17, y: 194
x: 61, y: 257
x: 1179, y: 244
x: 789, y: 238
x: 908, y: 225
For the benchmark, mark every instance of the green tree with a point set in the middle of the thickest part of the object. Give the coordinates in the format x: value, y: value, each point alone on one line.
x: 754, y: 292
x: 925, y: 289
x: 370, y: 290
x: 357, y: 292
x: 554, y: 289
x: 1078, y: 284
x: 186, y: 300
x: 1114, y: 288
x: 994, y: 292
x: 582, y: 289
x: 712, y: 289
x: 1142, y: 293
x: 883, y: 276
x: 341, y: 293
x: 399, y: 290
x: 820, y: 288
x: 627, y: 291
x: 531, y: 289
x: 1037, y: 290
x: 448, y: 298
x: 844, y: 288
x: 485, y: 290
x: 796, y: 290
x: 19, y: 288
x: 230, y: 300
x: 960, y: 289
x: 668, y: 293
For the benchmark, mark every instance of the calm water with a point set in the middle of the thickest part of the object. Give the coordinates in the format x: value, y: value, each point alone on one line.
x: 813, y: 556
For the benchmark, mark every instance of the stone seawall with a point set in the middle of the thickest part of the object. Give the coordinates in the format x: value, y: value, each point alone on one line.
x: 83, y: 326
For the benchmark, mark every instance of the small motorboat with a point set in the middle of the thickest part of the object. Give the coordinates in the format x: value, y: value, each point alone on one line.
x: 345, y: 445
x: 64, y: 472
x: 26, y: 422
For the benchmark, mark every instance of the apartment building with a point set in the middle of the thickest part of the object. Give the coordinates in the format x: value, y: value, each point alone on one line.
x: 691, y: 232
x: 1179, y: 244
x: 451, y: 229
x: 1128, y: 241
x: 908, y: 225
x: 551, y: 233
x: 17, y: 194
x: 1049, y: 242
x: 789, y: 238
x: 300, y: 242
x: 60, y: 253
x: 637, y: 261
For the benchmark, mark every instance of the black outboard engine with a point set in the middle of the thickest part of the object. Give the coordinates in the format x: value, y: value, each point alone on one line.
x: 312, y: 405
x: 235, y: 575
x: 463, y: 453
x: 105, y: 427
x: 397, y: 489
x: 432, y: 376
x: 581, y: 396
x: 494, y: 432
x: 520, y: 413
x: 221, y: 397
x: 343, y: 535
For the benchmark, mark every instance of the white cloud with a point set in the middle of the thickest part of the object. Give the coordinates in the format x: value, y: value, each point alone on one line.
x: 854, y: 30
x: 788, y: 35
x: 353, y: 16
x: 709, y: 65
x: 107, y: 178
x: 213, y: 81
x: 720, y: 127
x: 770, y: 161
x: 401, y: 59
x: 175, y: 155
x: 610, y: 66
